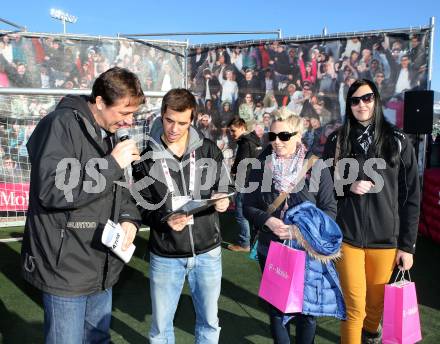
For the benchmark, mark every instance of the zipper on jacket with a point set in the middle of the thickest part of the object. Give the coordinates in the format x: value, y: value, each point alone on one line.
x: 364, y: 198
x: 61, y: 245
x: 191, y: 237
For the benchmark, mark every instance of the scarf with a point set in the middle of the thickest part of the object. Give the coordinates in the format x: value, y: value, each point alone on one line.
x: 364, y: 137
x: 285, y: 170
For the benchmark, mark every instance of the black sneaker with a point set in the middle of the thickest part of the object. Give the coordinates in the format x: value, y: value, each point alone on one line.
x: 372, y: 338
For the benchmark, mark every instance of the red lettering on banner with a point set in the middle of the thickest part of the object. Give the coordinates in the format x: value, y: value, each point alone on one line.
x: 14, y: 197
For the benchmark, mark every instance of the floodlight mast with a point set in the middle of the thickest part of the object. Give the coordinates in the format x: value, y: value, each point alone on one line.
x: 63, y: 16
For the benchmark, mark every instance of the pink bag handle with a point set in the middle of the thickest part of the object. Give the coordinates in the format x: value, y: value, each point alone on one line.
x: 402, y: 277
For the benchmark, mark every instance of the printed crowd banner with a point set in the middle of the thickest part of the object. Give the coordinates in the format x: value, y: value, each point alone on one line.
x: 309, y: 78
x: 74, y: 63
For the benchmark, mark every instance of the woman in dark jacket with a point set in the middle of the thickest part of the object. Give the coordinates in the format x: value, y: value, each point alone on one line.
x: 281, y: 163
x: 378, y: 210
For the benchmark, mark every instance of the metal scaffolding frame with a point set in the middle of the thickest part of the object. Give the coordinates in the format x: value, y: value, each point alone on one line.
x: 61, y: 92
x: 17, y: 26
x: 323, y: 36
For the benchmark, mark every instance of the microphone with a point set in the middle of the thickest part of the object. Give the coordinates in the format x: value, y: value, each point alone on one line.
x: 124, y: 134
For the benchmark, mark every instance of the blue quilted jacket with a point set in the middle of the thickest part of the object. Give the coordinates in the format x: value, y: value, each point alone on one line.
x: 321, y: 238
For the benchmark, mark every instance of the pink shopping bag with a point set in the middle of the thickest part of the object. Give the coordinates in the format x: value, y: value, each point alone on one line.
x: 282, y: 284
x: 401, y: 320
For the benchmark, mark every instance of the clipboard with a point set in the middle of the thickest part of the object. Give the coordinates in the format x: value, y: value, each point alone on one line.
x: 195, y: 206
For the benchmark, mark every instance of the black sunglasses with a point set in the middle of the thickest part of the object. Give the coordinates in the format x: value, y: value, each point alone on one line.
x: 366, y: 99
x: 283, y: 136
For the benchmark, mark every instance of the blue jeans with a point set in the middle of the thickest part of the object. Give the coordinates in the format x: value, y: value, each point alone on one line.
x: 244, y: 236
x: 77, y: 319
x: 167, y: 276
x: 305, y: 325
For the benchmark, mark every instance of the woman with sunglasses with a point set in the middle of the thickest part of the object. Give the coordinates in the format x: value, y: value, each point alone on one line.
x: 280, y: 172
x: 378, y: 218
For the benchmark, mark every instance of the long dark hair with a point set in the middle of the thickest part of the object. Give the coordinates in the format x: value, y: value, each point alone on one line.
x: 384, y: 143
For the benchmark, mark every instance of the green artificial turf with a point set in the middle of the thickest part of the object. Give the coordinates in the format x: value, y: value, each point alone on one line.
x: 242, y: 314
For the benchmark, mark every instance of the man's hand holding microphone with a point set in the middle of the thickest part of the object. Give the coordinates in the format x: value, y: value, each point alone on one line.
x: 125, y: 153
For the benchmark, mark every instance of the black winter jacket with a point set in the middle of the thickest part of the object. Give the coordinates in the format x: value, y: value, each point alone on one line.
x: 204, y: 235
x: 389, y: 218
x: 62, y: 253
x: 248, y: 146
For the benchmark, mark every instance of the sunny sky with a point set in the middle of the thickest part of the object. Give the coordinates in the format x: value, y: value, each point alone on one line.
x: 108, y: 18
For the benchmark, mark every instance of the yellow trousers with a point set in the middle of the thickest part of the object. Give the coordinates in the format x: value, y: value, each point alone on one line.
x: 363, y: 274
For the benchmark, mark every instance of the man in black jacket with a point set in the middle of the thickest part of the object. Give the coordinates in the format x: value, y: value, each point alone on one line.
x: 248, y: 147
x: 75, y: 164
x: 178, y: 165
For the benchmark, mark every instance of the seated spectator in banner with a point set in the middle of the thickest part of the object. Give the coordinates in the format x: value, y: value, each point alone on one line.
x: 167, y: 78
x: 225, y: 143
x: 293, y: 99
x: 383, y: 87
x: 250, y: 58
x: 353, y: 63
x: 258, y: 128
x: 250, y: 85
x: 84, y: 84
x: 10, y: 172
x: 206, y: 128
x: 267, y: 121
x: 293, y: 64
x: 259, y: 111
x: 365, y: 63
x: 264, y: 56
x: 417, y: 53
x: 306, y: 107
x: 342, y: 94
x: 45, y: 77
x: 212, y: 111
x: 210, y: 88
x: 148, y: 83
x: 125, y: 49
x: 197, y: 60
x: 281, y: 61
x: 236, y: 57
x: 229, y: 88
x: 353, y: 44
x: 246, y: 109
x: 402, y: 75
x: 327, y: 77
x: 375, y: 67
x: 268, y: 82
x: 320, y: 108
x: 18, y: 75
x: 226, y: 113
x: 308, y: 133
x: 6, y: 49
x: 308, y: 70
x: 270, y: 102
x: 212, y: 58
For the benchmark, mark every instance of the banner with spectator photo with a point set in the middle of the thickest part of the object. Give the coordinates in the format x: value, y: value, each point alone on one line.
x: 74, y: 63
x: 310, y: 78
